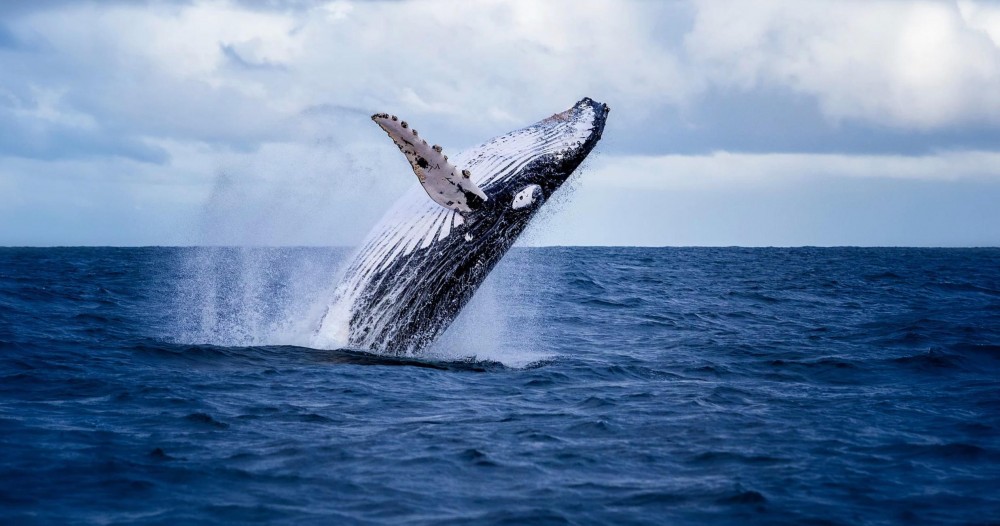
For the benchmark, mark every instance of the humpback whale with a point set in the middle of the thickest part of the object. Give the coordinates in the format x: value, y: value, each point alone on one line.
x: 430, y: 252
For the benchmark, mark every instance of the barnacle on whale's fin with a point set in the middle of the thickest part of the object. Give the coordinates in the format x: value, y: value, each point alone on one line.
x: 445, y: 183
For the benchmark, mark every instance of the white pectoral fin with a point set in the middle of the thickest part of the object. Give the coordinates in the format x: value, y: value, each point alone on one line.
x: 445, y: 183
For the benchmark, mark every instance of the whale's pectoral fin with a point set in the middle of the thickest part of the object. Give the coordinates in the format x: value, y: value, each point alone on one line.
x: 445, y: 183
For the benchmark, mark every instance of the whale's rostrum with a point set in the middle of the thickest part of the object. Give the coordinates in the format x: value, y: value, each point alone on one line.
x: 427, y: 256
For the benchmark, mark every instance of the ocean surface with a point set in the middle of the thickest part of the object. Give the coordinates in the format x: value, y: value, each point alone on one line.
x: 581, y: 386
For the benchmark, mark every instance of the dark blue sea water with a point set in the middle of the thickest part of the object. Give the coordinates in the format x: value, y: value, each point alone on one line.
x: 608, y: 385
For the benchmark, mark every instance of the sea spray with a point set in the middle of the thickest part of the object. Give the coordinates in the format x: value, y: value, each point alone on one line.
x: 249, y: 296
x: 500, y: 324
x: 258, y: 296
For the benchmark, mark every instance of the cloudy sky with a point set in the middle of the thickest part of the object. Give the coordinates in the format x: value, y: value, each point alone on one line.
x: 749, y: 122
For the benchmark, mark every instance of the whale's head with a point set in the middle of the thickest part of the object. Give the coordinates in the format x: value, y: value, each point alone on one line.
x: 520, y: 170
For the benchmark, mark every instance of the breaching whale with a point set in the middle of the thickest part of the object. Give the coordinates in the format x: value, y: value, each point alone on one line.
x: 430, y: 252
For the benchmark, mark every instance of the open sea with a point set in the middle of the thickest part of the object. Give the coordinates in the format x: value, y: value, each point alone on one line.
x: 581, y: 386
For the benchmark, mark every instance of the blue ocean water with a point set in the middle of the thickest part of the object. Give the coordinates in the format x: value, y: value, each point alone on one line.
x: 582, y: 386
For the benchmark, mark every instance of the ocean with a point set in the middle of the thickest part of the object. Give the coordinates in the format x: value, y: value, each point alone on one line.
x: 581, y: 386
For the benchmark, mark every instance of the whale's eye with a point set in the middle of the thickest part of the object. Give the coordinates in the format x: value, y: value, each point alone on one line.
x: 528, y: 196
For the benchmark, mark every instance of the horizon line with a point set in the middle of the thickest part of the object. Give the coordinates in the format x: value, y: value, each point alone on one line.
x: 522, y: 247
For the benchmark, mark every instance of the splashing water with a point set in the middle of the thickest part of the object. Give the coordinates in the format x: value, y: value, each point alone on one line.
x: 254, y: 296
x: 240, y: 296
x: 487, y: 331
x: 326, y: 189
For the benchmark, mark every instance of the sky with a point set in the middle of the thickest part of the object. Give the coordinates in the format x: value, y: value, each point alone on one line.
x: 747, y: 122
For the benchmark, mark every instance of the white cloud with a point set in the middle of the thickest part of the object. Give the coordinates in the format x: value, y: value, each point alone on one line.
x: 725, y: 169
x: 220, y: 72
x: 915, y: 64
x: 180, y: 71
x: 983, y: 16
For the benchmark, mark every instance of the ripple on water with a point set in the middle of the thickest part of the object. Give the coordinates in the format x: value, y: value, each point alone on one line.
x: 598, y: 386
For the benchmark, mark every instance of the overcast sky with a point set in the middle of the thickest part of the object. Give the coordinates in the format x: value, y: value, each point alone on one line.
x: 797, y: 122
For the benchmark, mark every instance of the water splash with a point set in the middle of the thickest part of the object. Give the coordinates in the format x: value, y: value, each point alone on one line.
x: 251, y: 296
x: 255, y: 296
x: 326, y: 189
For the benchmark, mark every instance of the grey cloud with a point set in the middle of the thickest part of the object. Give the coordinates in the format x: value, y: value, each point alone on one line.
x: 131, y: 96
x: 11, y: 8
x: 122, y: 120
x: 775, y: 120
x: 34, y: 138
x: 295, y: 5
x: 19, y: 7
x: 908, y: 65
x: 233, y: 56
x: 334, y: 110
